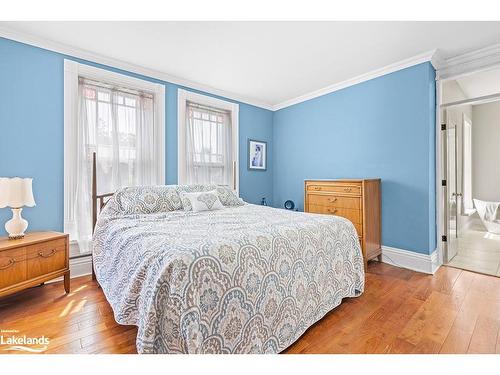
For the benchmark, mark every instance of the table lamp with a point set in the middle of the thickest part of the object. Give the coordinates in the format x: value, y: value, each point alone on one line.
x: 16, y: 193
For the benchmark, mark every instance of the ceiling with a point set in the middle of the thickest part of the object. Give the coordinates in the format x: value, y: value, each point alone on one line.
x: 268, y: 62
x: 480, y: 84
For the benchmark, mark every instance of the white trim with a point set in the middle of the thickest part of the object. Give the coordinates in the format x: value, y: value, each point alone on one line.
x: 70, y: 119
x: 65, y: 49
x: 77, y: 267
x: 411, y: 260
x: 469, y: 63
x: 80, y: 266
x: 440, y: 202
x: 474, y: 101
x: 415, y: 60
x: 182, y: 97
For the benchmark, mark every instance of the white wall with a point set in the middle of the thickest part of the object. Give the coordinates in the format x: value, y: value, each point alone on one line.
x: 486, y: 151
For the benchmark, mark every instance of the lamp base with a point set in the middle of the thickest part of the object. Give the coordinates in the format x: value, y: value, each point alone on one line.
x: 16, y: 226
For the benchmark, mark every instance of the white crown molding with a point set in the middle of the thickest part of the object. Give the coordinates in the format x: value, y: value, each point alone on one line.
x: 408, y: 259
x: 470, y: 62
x: 415, y: 60
x: 50, y: 45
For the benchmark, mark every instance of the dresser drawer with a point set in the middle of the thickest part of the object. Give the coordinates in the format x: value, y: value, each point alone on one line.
x: 352, y: 215
x: 329, y: 200
x: 337, y: 187
x: 46, y: 257
x: 12, y: 267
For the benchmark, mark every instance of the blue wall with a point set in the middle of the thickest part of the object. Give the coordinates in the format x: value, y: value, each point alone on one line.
x: 32, y: 140
x: 380, y: 128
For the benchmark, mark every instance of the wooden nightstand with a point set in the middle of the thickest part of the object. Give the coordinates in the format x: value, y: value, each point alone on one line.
x: 32, y: 260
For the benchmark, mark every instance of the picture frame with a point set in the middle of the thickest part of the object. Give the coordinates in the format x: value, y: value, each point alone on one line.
x: 257, y: 155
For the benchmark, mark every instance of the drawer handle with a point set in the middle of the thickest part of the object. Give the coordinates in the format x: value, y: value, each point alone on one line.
x: 10, y: 264
x: 332, y: 211
x: 348, y: 189
x: 316, y: 187
x: 333, y: 200
x: 52, y: 252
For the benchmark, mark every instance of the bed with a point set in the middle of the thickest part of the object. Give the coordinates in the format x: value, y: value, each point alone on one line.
x: 242, y: 279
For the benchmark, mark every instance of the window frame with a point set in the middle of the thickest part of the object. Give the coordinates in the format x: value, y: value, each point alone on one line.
x: 183, y: 97
x: 72, y: 71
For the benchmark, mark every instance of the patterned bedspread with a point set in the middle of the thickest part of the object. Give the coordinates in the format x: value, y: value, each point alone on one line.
x: 248, y: 279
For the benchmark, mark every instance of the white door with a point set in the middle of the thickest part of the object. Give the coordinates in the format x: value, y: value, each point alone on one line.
x: 453, y: 197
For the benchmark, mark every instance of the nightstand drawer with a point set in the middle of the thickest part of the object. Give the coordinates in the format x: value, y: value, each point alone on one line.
x: 32, y: 260
x: 46, y: 257
x: 12, y: 267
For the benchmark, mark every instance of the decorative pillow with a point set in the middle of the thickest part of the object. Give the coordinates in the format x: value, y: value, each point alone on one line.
x: 148, y: 199
x: 226, y: 195
x: 201, y: 201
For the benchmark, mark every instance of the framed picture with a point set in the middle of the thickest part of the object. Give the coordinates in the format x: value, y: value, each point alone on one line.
x: 257, y: 155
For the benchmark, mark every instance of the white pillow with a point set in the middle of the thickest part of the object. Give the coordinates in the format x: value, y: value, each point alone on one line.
x: 201, y: 201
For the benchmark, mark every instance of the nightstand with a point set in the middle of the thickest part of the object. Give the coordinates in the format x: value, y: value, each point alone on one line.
x: 32, y: 260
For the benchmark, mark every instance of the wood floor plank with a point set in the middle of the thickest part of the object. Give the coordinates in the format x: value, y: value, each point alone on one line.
x: 401, y: 311
x: 484, y: 337
x: 456, y: 342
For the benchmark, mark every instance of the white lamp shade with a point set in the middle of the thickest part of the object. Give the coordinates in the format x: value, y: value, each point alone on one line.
x: 16, y: 192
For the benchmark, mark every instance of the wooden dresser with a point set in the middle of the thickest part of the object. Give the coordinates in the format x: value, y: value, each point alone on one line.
x: 356, y: 200
x: 32, y: 260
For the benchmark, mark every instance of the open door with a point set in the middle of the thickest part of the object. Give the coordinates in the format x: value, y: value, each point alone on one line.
x: 452, y: 194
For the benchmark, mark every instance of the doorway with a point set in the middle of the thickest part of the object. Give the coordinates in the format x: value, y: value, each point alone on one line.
x: 470, y: 150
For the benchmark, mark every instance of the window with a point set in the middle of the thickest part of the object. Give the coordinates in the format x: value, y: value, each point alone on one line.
x: 207, y: 140
x: 121, y: 119
x: 113, y: 120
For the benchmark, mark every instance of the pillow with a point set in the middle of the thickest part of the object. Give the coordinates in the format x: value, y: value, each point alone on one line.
x: 201, y: 201
x: 226, y: 195
x: 148, y: 199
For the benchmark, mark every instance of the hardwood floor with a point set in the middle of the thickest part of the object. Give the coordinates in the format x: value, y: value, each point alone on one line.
x: 401, y: 311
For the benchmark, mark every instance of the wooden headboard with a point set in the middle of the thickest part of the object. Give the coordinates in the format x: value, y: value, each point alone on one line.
x: 98, y: 201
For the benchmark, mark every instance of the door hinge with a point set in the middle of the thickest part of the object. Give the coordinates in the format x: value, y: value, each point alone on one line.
x: 443, y: 126
x: 444, y: 238
x: 443, y: 182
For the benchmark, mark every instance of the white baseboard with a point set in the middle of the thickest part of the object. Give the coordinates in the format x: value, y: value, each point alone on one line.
x: 78, y: 267
x: 408, y: 259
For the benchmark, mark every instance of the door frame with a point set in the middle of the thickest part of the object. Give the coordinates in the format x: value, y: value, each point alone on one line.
x: 443, y: 74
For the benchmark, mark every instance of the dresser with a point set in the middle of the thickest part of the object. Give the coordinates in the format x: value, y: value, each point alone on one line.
x: 32, y: 260
x: 356, y: 200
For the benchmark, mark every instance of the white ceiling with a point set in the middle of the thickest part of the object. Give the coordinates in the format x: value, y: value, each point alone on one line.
x: 270, y: 62
x: 480, y: 84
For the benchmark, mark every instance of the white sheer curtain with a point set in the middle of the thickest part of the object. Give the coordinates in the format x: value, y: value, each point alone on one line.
x: 208, y: 145
x: 118, y: 124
